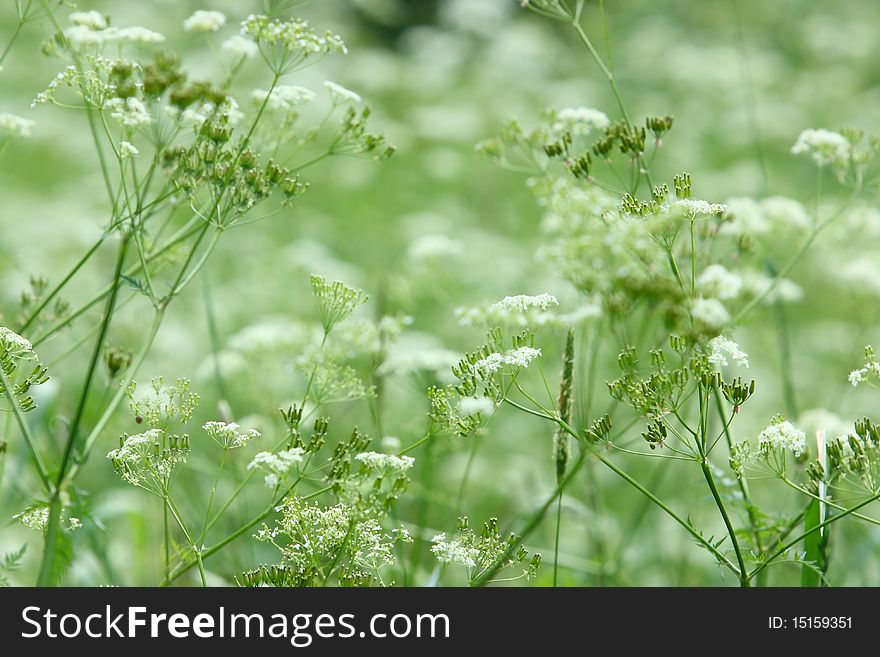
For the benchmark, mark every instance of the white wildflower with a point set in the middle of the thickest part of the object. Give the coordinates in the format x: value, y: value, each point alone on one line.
x: 378, y: 461
x: 454, y: 551
x: 276, y: 464
x: 525, y: 302
x: 516, y: 311
x: 716, y: 281
x: 782, y: 434
x: 826, y: 148
x: 696, y: 207
x: 135, y: 447
x: 130, y: 112
x: 94, y: 20
x: 15, y: 126
x: 744, y: 216
x: 857, y: 376
x: 391, y: 444
x: 36, y: 518
x: 295, y: 36
x: 722, y: 348
x: 709, y: 312
x: 339, y: 95
x: 230, y: 435
x: 580, y: 120
x: 490, y: 364
x: 127, y: 149
x: 240, y: 46
x: 283, y: 97
x: 521, y: 357
x: 204, y: 21
x: 136, y: 35
x: 15, y: 345
x: 783, y: 211
x: 468, y: 406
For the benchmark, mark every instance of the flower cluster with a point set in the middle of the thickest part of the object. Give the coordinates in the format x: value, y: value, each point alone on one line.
x: 317, y: 543
x: 15, y: 126
x: 229, y: 435
x: 870, y: 370
x: 336, y: 300
x: 485, y: 553
x: 287, y: 45
x: 721, y: 349
x: 162, y: 406
x: 148, y: 460
x: 782, y: 435
x: 825, y: 148
x: 277, y: 465
x: 21, y: 368
x: 204, y: 21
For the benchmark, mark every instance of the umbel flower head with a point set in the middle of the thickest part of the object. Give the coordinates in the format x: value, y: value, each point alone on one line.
x: 204, y: 21
x: 229, y: 435
x: 336, y: 300
x: 21, y: 369
x: 782, y: 434
x: 147, y: 460
x: 287, y: 45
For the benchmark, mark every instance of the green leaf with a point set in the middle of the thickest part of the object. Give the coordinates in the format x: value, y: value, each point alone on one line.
x: 815, y: 546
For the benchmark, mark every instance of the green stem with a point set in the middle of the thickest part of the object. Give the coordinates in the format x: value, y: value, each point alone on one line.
x: 39, y: 464
x: 672, y: 514
x: 556, y: 541
x: 183, y: 568
x: 743, y: 574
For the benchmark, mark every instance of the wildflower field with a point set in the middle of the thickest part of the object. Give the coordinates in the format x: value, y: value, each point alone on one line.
x: 439, y: 293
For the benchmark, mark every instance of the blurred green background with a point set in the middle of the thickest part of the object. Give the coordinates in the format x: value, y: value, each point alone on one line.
x: 742, y: 79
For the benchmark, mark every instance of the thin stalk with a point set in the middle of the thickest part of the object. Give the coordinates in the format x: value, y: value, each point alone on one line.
x: 743, y: 488
x: 533, y: 522
x: 73, y: 433
x: 710, y: 480
x: 556, y: 540
x: 183, y: 568
x: 672, y: 514
x: 39, y: 464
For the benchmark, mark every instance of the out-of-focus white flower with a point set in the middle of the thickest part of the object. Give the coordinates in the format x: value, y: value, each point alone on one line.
x: 468, y: 406
x: 204, y: 21
x: 716, y: 281
x: 283, y: 97
x: 339, y: 95
x: 15, y: 126
x: 126, y: 149
x: 377, y: 461
x: 580, y: 120
x: 825, y: 147
x: 240, y: 46
x: 130, y: 112
x: 709, y: 312
x: 94, y: 20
